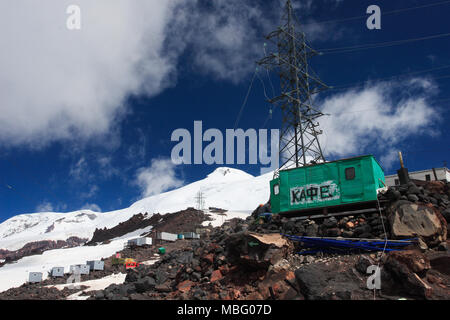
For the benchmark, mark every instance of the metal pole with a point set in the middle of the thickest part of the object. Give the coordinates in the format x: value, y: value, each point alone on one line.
x: 401, y: 159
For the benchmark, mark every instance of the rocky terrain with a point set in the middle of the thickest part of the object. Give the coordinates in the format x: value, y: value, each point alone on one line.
x: 250, y: 259
x: 228, y: 265
x: 185, y: 220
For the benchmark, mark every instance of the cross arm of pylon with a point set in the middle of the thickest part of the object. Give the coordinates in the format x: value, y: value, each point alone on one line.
x: 309, y: 75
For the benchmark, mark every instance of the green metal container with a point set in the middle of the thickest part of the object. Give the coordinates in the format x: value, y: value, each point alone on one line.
x: 162, y: 250
x: 341, y: 182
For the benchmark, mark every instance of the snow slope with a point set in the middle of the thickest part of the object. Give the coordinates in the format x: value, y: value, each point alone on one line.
x: 15, y: 274
x: 219, y: 218
x: 226, y: 188
x: 98, y: 284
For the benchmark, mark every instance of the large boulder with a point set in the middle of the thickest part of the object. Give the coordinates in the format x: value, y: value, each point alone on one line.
x: 257, y: 251
x: 406, y: 268
x: 262, y: 208
x: 409, y: 220
x: 438, y: 187
x: 446, y: 215
x: 322, y: 281
x: 279, y: 285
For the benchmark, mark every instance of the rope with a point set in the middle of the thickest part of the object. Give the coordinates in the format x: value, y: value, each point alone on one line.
x: 385, y: 245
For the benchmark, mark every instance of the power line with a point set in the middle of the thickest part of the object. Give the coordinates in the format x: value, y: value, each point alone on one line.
x: 381, y: 44
x: 267, y: 73
x: 245, y: 100
x: 377, y: 109
x: 364, y: 83
x: 392, y: 77
x: 264, y: 87
x: 384, y: 13
x: 442, y: 100
x: 268, y: 118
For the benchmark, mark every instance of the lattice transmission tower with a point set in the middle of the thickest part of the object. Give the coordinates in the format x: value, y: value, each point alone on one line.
x: 299, y: 144
x: 200, y: 201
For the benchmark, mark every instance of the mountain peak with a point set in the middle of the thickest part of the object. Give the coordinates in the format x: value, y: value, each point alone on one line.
x: 229, y: 172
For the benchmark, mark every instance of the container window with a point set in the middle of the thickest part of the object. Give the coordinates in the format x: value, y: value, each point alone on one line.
x: 428, y: 177
x: 276, y: 189
x: 350, y: 173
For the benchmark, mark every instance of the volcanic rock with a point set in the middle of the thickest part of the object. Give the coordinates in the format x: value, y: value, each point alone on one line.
x: 408, y: 220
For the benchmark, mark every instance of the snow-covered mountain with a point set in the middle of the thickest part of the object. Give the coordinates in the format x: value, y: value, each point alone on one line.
x: 226, y: 188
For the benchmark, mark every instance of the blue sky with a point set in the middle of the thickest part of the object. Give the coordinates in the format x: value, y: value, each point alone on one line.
x: 88, y: 114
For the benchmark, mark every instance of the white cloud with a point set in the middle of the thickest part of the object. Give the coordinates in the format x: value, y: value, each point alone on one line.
x: 377, y: 118
x: 106, y: 167
x: 225, y: 36
x: 46, y: 206
x: 389, y: 158
x: 137, y: 151
x: 98, y: 166
x: 80, y: 170
x: 159, y: 177
x: 91, y: 206
x: 90, y: 192
x: 58, y: 84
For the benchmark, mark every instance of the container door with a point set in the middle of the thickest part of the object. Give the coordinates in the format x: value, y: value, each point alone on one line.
x: 275, y: 195
x: 352, y: 182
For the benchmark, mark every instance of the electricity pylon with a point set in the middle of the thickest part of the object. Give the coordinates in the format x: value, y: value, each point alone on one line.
x: 200, y: 201
x: 299, y: 144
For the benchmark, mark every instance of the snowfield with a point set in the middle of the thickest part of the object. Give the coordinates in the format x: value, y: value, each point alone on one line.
x: 98, y: 284
x: 226, y: 188
x: 220, y: 218
x: 15, y: 274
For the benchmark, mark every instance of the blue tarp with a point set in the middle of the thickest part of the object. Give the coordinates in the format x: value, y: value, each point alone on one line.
x: 332, y: 245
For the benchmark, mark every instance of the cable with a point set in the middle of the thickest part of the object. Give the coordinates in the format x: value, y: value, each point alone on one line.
x: 380, y: 44
x: 267, y: 72
x: 367, y: 110
x: 384, y: 13
x: 442, y: 100
x: 268, y: 118
x: 245, y: 100
x: 385, y: 245
x: 392, y: 77
x: 264, y: 87
x: 265, y: 122
x: 368, y: 81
